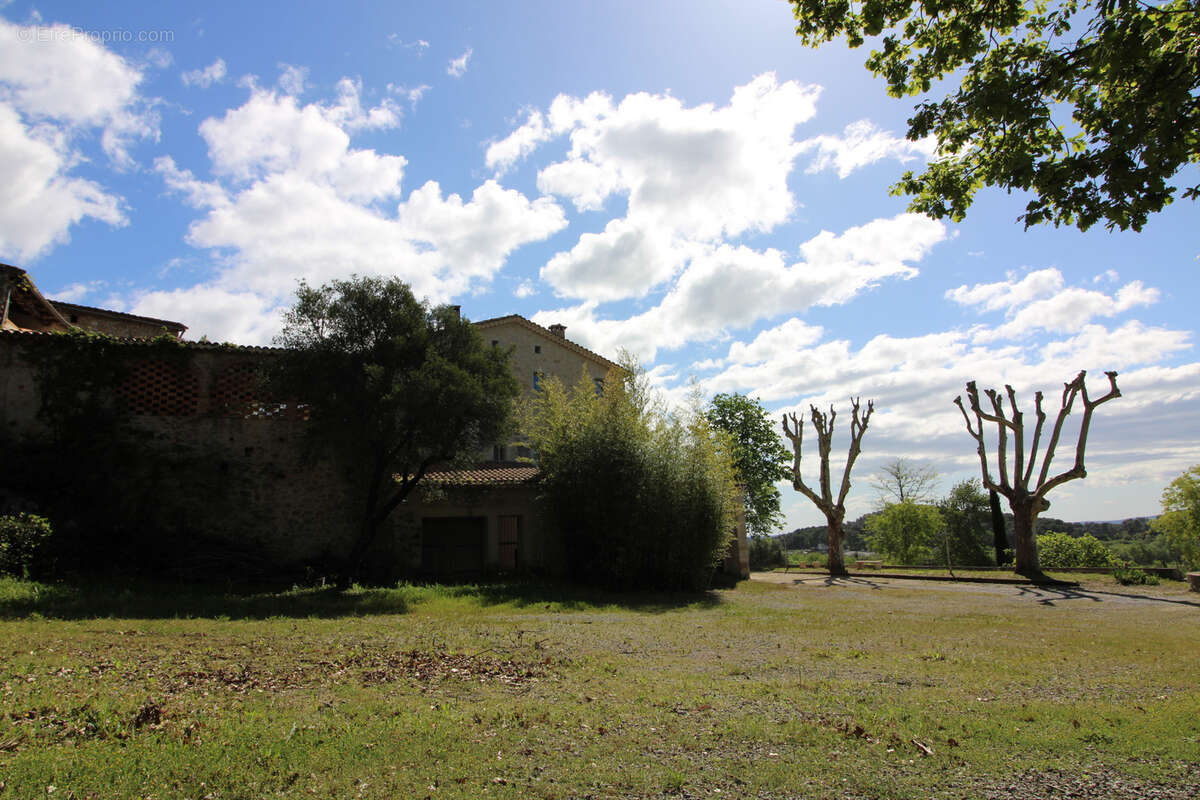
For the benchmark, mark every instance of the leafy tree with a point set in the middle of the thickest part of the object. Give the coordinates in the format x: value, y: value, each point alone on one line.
x: 1180, y: 520
x: 905, y: 479
x: 904, y: 532
x: 759, y: 457
x: 395, y: 384
x: 644, y: 499
x: 966, y: 516
x: 1091, y: 105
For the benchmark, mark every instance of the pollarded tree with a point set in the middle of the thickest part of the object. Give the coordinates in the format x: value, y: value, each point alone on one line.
x: 834, y: 510
x: 1026, y: 500
x: 394, y: 384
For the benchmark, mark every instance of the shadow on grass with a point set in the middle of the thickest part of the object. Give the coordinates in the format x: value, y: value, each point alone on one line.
x: 1049, y: 595
x: 153, y: 600
x: 566, y: 597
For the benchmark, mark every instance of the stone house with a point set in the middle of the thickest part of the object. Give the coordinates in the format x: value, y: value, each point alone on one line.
x: 239, y: 465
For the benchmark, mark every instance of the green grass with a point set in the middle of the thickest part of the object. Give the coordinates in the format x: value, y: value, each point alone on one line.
x: 509, y: 691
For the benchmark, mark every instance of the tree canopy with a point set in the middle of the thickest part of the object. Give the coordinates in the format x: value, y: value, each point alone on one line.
x: 759, y: 457
x: 395, y: 384
x: 904, y: 532
x: 1180, y: 520
x: 1091, y: 105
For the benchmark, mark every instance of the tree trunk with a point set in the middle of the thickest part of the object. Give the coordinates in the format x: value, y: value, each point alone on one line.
x: 837, y: 535
x: 999, y: 534
x: 1024, y: 540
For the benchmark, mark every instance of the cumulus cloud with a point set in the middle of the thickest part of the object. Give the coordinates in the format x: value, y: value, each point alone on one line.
x: 206, y: 77
x: 458, y: 66
x: 1040, y: 301
x: 291, y: 197
x: 863, y: 143
x: 55, y: 90
x: 692, y: 176
x: 730, y: 287
x: 913, y: 381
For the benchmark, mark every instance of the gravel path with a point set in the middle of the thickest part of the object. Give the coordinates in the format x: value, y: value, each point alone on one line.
x: 1169, y: 594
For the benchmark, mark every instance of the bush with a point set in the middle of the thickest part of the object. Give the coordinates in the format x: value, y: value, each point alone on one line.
x: 1058, y: 550
x: 643, y: 499
x: 766, y: 553
x: 1127, y: 574
x: 23, y: 541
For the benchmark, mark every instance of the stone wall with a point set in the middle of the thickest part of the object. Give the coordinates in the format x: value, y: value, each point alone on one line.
x: 219, y: 462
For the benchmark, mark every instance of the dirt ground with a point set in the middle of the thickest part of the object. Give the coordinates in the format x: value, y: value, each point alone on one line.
x: 1169, y: 592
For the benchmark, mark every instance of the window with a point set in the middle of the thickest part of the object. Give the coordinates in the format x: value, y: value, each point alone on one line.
x: 498, y: 452
x: 495, y: 342
x: 537, y: 380
x: 599, y: 383
x: 537, y: 348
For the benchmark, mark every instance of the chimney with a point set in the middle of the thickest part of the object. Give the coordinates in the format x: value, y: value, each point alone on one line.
x: 559, y: 330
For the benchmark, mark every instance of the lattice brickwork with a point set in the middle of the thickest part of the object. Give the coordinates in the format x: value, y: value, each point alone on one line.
x: 157, y: 388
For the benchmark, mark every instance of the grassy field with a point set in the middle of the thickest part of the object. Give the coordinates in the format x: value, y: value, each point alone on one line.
x: 859, y: 689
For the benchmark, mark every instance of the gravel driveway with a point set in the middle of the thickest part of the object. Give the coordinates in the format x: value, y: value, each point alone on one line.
x: 1169, y: 592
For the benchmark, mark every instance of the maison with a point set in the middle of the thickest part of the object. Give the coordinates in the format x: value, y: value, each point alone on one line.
x: 231, y: 463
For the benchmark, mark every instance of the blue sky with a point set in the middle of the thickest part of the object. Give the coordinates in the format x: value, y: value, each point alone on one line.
x: 682, y: 180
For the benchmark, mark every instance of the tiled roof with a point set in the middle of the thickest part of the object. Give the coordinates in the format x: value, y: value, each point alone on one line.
x: 138, y: 342
x: 549, y: 334
x: 108, y: 312
x: 488, y: 473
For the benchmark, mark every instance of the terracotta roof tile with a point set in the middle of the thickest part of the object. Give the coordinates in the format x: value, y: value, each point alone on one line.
x: 490, y: 473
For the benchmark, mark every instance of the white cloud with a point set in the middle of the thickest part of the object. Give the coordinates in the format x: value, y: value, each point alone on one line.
x: 525, y: 289
x: 913, y: 381
x: 204, y: 78
x: 861, y: 144
x: 1039, y: 301
x: 291, y: 198
x: 730, y: 287
x: 41, y: 201
x: 458, y: 66
x: 220, y: 314
x: 292, y: 79
x: 524, y: 140
x: 74, y: 83
x: 693, y: 176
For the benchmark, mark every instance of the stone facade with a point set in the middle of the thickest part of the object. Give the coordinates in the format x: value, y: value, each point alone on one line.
x: 231, y: 465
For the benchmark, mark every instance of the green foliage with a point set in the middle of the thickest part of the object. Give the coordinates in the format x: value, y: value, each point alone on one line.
x: 1060, y: 550
x: 1088, y: 104
x: 1180, y: 520
x: 23, y: 541
x: 766, y: 552
x: 395, y: 385
x: 643, y: 498
x: 1127, y: 574
x: 759, y: 456
x: 905, y: 532
x: 966, y: 517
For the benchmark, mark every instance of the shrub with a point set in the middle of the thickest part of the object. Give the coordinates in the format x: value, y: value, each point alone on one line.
x: 1127, y: 574
x: 1058, y: 550
x: 23, y: 540
x: 766, y: 553
x: 644, y: 499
